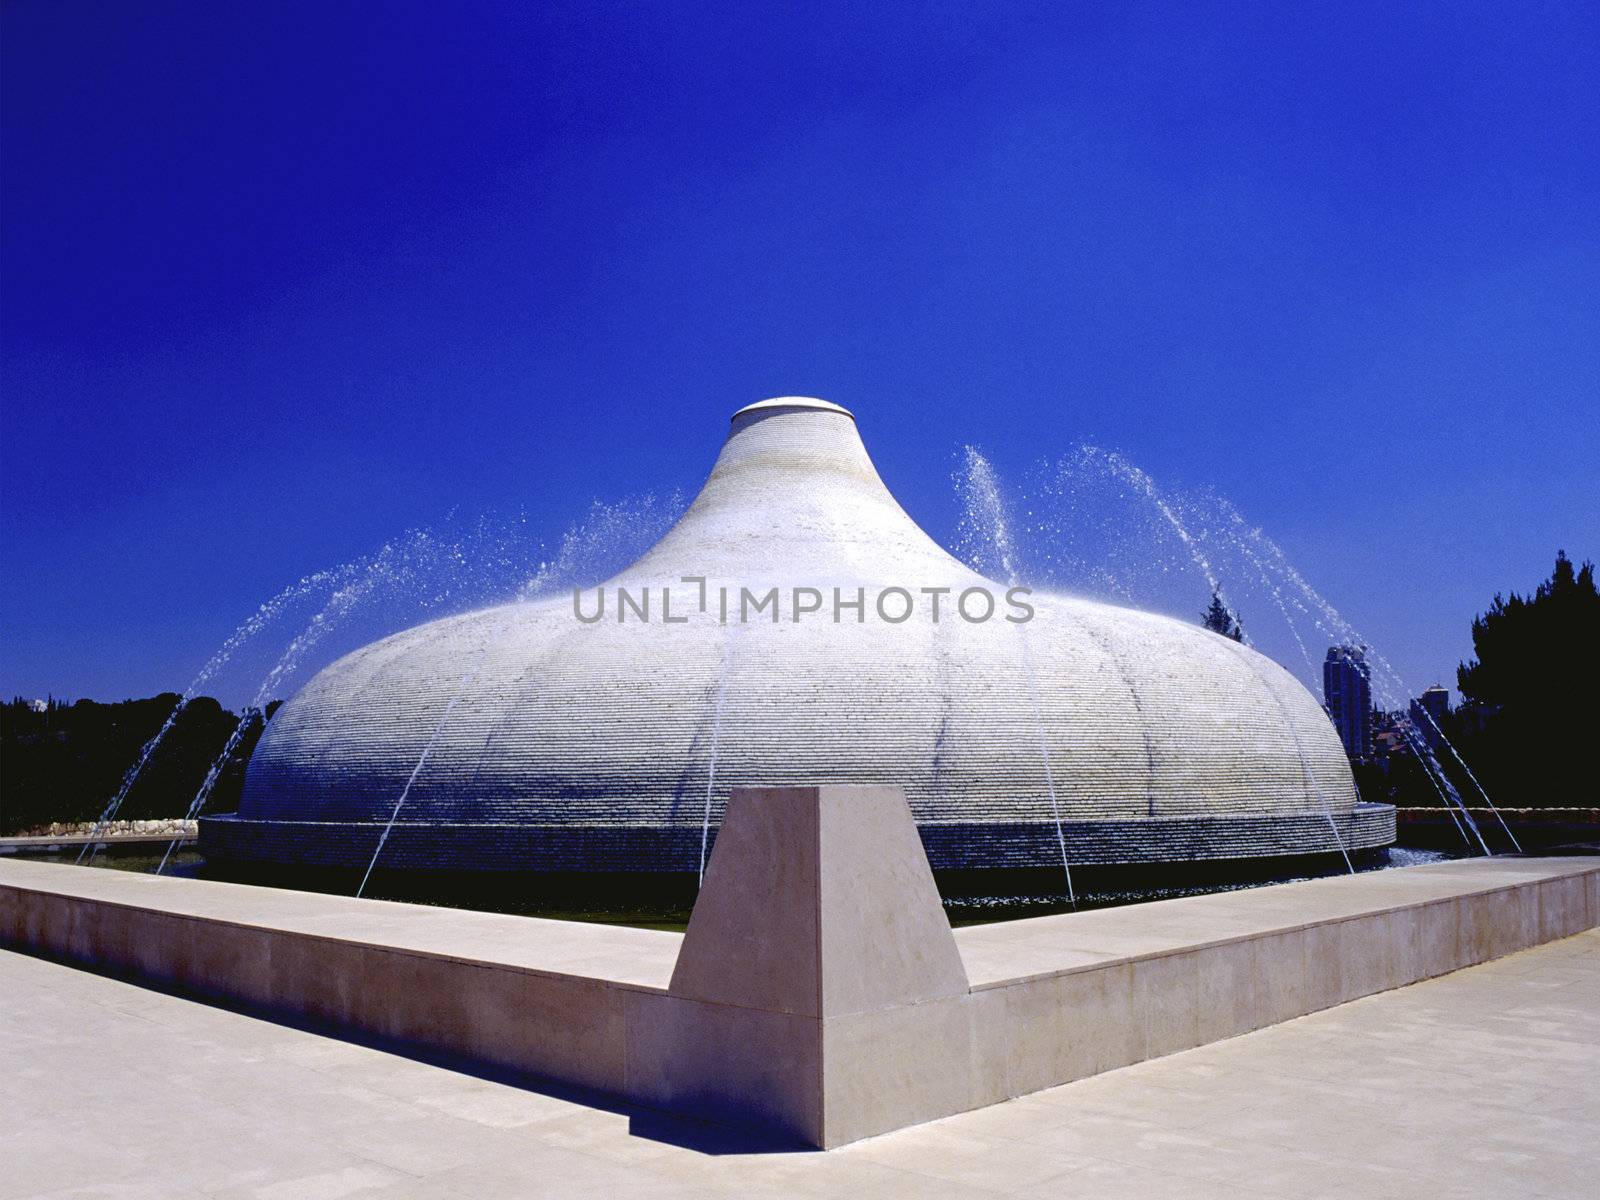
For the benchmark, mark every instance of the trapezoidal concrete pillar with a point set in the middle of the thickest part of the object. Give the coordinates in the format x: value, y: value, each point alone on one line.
x: 819, y: 991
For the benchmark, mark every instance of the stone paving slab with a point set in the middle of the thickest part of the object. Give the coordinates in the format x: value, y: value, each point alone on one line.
x: 1484, y: 1082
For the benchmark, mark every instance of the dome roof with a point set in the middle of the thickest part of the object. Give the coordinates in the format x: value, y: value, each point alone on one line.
x: 810, y: 402
x: 555, y: 740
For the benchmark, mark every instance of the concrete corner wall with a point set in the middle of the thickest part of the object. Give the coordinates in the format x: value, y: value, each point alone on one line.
x: 820, y: 992
x: 819, y: 920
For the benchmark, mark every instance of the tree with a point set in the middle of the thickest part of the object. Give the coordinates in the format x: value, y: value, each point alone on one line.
x: 1532, y: 693
x: 1219, y: 618
x: 64, y: 763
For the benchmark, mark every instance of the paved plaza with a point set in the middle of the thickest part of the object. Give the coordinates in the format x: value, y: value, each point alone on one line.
x: 1485, y: 1082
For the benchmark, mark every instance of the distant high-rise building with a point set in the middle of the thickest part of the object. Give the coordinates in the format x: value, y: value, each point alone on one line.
x: 1428, y: 712
x: 1347, y: 695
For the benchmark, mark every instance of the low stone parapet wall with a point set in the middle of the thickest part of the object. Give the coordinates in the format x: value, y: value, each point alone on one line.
x: 538, y: 997
x: 822, y: 996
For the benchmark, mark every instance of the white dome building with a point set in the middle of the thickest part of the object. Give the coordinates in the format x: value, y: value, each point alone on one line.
x: 584, y: 744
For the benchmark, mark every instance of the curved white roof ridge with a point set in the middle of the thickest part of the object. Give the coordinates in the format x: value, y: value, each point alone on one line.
x: 780, y: 402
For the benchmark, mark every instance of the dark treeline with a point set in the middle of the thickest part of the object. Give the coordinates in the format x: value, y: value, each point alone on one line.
x: 64, y: 763
x: 1531, y: 697
x: 1530, y: 708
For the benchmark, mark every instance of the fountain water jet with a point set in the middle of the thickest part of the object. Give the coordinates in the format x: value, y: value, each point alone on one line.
x: 716, y: 738
x: 421, y: 561
x: 585, y: 547
x: 1207, y: 525
x: 338, y: 604
x: 980, y: 487
x: 985, y: 508
x: 259, y: 620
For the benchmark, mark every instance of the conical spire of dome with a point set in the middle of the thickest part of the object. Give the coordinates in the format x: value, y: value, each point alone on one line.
x: 794, y: 496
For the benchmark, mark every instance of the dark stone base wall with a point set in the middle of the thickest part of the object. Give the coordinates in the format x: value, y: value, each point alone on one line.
x: 963, y: 846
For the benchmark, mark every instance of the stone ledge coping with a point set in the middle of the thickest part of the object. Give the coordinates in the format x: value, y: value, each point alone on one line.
x: 1010, y: 952
x: 617, y: 954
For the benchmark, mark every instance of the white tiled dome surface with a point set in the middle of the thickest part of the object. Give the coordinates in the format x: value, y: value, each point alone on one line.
x: 589, y: 746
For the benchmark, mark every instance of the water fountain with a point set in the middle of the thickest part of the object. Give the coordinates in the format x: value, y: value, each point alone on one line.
x: 985, y: 523
x: 985, y: 513
x: 258, y: 621
x: 1088, y: 734
x: 1216, y: 542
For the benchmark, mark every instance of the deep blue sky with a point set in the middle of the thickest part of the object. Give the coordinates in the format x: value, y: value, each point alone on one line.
x: 282, y: 280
